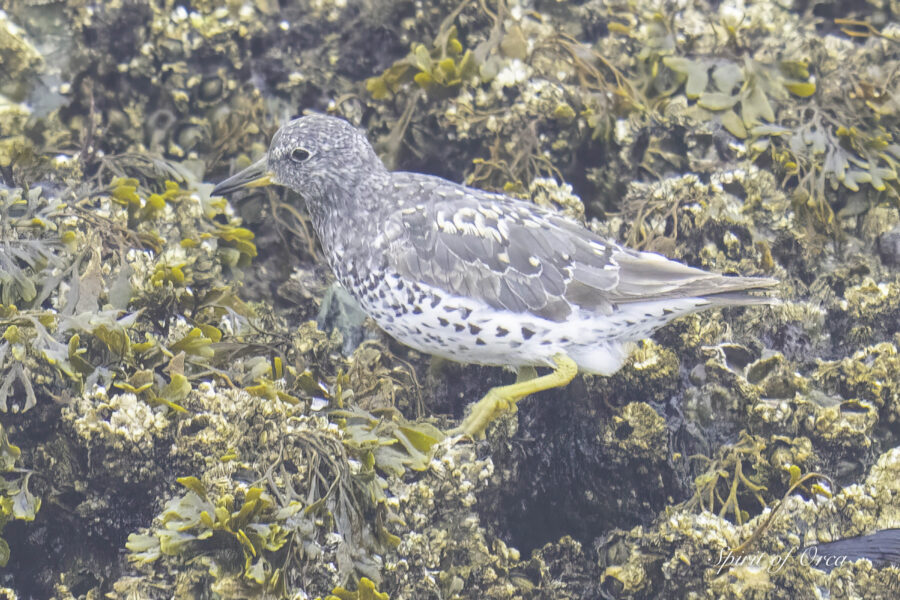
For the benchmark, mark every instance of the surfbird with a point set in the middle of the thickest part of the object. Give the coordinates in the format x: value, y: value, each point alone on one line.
x: 475, y: 276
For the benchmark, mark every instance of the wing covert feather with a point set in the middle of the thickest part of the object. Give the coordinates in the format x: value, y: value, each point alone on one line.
x: 522, y: 258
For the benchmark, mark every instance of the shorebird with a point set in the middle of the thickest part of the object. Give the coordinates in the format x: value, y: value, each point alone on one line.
x: 476, y: 276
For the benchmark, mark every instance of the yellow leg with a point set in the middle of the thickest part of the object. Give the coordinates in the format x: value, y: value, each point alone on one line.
x: 500, y: 399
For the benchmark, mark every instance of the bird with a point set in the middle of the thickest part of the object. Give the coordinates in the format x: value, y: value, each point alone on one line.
x: 476, y: 276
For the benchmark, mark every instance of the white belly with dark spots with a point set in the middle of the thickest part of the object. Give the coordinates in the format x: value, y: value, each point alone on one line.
x: 470, y: 331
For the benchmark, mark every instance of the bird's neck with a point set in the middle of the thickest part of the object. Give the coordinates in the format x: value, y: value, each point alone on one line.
x: 355, y: 197
x: 344, y: 215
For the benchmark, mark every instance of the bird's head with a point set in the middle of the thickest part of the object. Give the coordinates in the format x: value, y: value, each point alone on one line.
x: 316, y: 156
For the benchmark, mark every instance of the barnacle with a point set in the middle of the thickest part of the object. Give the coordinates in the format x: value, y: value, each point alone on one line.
x: 20, y: 59
x: 868, y: 389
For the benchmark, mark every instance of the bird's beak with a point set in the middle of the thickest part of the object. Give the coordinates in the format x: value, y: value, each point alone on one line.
x: 255, y: 175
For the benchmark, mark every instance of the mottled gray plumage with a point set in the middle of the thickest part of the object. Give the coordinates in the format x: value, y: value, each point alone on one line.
x: 477, y: 276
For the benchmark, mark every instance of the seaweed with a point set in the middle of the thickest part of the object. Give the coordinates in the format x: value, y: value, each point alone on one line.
x: 42, y: 349
x: 366, y: 590
x: 33, y: 245
x: 70, y: 317
x: 719, y: 487
x: 797, y: 482
x: 242, y: 534
x: 16, y: 500
x: 440, y: 71
x: 258, y: 537
x: 754, y: 468
x: 822, y: 124
x: 721, y: 86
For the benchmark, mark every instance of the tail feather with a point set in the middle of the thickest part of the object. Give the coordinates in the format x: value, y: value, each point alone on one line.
x: 644, y: 276
x: 741, y: 292
x: 740, y: 299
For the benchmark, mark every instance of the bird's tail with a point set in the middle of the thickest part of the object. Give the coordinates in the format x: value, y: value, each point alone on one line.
x: 742, y: 291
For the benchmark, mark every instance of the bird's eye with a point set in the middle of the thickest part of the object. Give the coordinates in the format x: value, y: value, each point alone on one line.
x: 299, y: 155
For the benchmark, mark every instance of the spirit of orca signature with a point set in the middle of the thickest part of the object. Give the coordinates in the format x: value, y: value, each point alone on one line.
x: 773, y: 563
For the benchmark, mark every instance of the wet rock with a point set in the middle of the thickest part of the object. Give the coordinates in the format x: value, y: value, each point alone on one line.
x: 340, y: 311
x: 889, y: 246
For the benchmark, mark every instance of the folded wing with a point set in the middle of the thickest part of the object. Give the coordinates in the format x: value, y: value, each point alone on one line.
x: 518, y: 257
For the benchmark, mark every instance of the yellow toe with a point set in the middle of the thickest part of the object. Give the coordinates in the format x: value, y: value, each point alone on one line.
x: 504, y: 398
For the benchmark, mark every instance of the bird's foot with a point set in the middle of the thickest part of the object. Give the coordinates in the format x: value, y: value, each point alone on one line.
x: 504, y: 398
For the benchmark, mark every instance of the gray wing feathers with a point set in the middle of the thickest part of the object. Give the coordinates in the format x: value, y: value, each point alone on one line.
x: 643, y: 276
x: 524, y: 259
